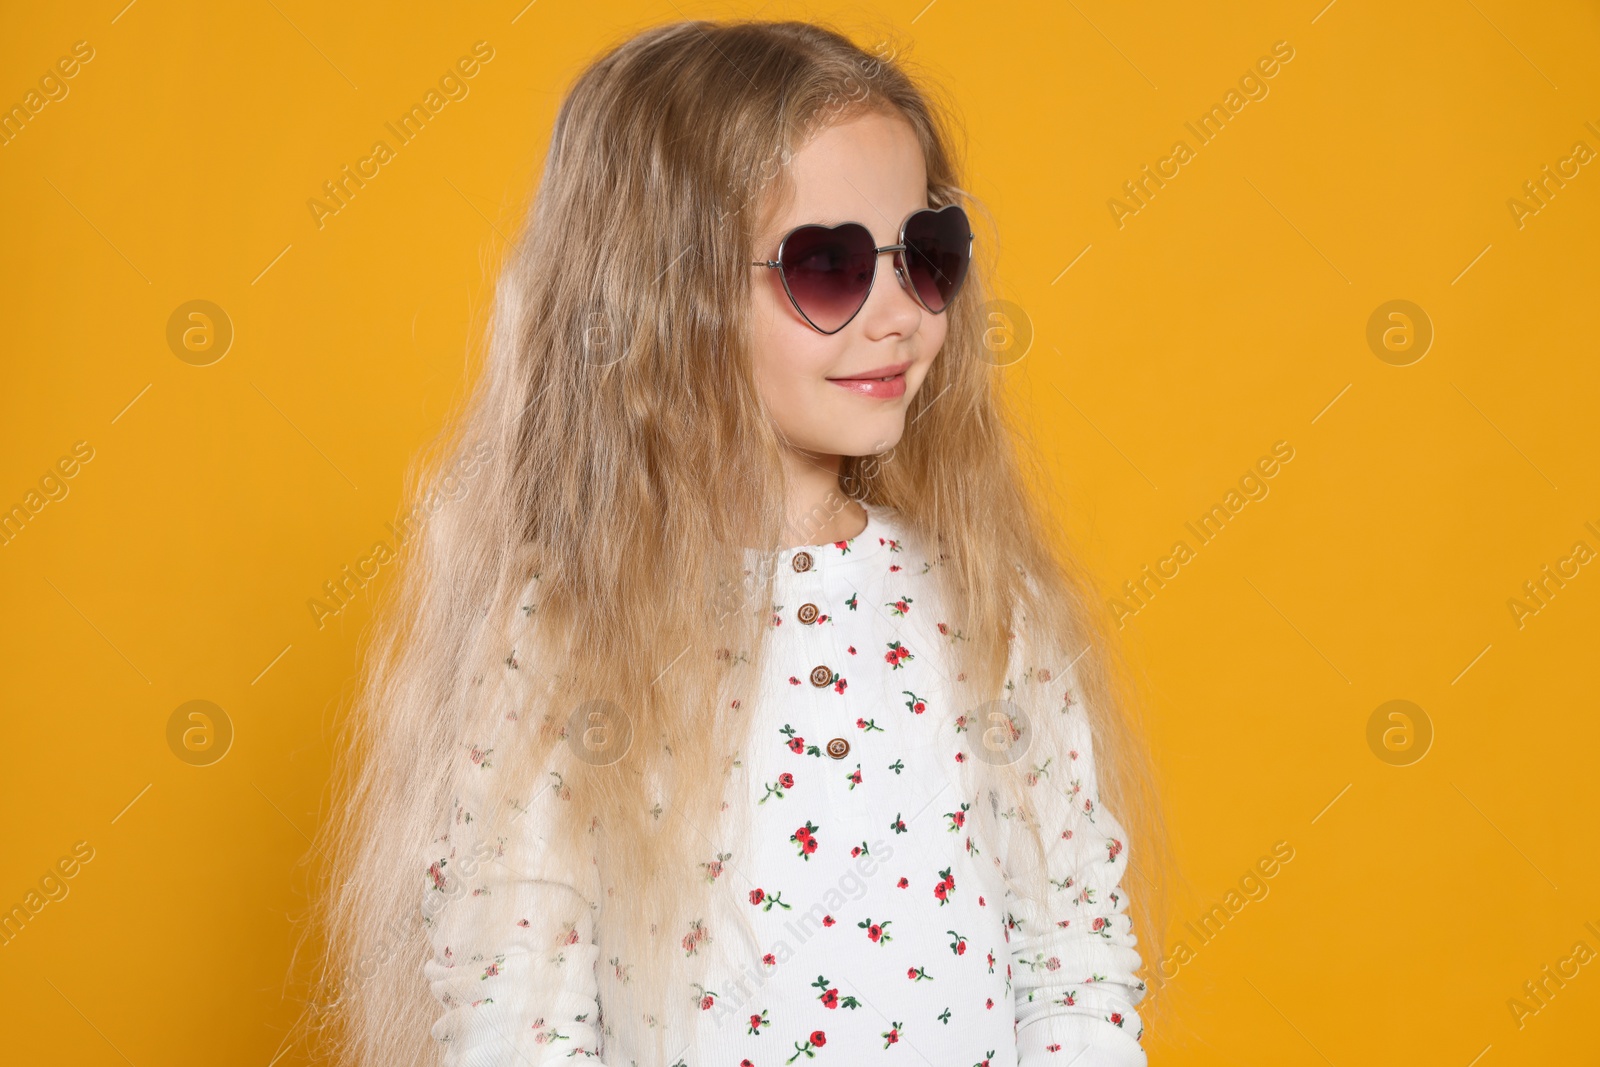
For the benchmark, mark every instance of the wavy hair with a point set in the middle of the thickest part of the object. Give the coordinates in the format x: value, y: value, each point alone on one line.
x: 627, y: 464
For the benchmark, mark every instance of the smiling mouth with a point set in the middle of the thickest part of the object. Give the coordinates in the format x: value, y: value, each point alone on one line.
x: 878, y: 374
x: 876, y: 387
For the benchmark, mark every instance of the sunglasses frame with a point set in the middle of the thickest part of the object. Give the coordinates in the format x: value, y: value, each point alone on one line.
x: 900, y: 269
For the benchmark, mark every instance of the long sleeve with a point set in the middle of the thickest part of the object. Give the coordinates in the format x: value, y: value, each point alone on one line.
x: 513, y: 954
x: 1074, y: 968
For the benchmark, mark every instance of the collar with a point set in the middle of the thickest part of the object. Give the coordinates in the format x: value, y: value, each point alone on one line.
x: 837, y: 557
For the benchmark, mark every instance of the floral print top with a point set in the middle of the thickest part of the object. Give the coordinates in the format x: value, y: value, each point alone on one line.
x: 884, y: 933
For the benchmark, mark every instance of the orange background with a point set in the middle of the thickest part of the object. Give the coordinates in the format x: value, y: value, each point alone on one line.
x: 1228, y: 313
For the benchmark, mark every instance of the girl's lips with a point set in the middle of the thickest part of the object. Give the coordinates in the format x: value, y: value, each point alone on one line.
x: 877, y: 388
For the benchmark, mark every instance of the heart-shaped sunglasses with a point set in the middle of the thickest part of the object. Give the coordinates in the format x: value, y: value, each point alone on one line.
x: 828, y: 271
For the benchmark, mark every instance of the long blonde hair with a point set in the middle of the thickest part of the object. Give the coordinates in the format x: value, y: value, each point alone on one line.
x: 627, y: 461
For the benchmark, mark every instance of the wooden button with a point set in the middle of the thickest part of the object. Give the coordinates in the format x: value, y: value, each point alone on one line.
x: 802, y: 561
x: 838, y: 748
x: 807, y: 613
x: 821, y: 677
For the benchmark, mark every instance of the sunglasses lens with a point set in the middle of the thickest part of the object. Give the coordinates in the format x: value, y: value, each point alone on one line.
x: 938, y: 251
x: 828, y: 271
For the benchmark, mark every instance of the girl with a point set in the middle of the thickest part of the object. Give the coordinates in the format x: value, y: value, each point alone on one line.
x: 736, y: 710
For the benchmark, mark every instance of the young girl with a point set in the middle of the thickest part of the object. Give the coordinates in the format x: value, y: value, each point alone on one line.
x: 735, y: 708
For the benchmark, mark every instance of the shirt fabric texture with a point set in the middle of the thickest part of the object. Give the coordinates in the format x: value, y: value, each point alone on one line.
x: 885, y: 934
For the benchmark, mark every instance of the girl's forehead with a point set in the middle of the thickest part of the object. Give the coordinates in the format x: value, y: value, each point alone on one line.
x: 869, y: 169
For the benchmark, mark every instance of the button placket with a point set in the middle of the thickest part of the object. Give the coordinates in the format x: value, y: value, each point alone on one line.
x: 854, y: 812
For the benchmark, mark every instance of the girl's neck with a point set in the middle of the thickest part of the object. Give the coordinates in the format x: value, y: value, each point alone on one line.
x: 816, y: 511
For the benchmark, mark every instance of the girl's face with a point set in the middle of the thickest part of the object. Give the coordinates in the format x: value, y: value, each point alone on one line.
x: 868, y: 170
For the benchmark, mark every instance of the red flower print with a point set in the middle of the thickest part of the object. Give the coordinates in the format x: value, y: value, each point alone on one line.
x: 793, y: 680
x: 436, y: 871
x: 828, y: 920
x: 1113, y: 849
x: 1116, y: 1017
x: 838, y: 687
x: 902, y: 883
x: 817, y: 1040
x: 900, y: 607
x: 757, y: 1022
x: 691, y: 940
x: 757, y: 895
x: 891, y: 1035
x: 878, y: 932
x: 830, y: 997
x: 770, y: 960
x: 786, y: 780
x: 945, y: 887
x: 896, y: 655
x: 804, y: 837
x: 797, y: 744
x: 943, y: 629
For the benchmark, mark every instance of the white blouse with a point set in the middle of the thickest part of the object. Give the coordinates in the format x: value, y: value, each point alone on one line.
x: 885, y: 935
